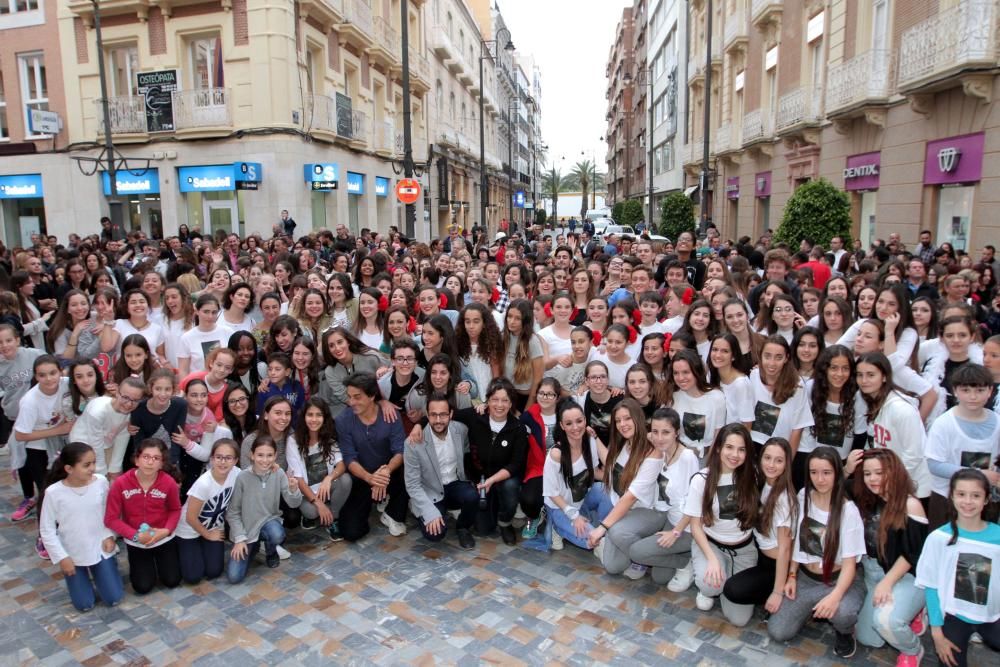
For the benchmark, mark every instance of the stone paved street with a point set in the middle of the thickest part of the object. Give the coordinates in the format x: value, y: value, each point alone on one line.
x: 386, y: 601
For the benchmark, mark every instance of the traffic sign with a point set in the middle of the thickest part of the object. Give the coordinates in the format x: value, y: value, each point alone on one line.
x: 408, y: 191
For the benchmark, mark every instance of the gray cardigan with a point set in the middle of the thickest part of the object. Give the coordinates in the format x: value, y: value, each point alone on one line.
x: 331, y: 384
x: 254, y: 503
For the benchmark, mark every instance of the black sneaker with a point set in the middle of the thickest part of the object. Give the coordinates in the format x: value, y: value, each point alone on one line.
x: 845, y: 645
x: 334, y: 531
x: 508, y: 534
x: 310, y: 524
x: 465, y: 539
x: 273, y: 560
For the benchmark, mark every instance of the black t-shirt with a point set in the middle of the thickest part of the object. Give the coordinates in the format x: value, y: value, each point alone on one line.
x: 693, y: 268
x: 160, y: 426
x: 398, y: 394
x: 599, y: 415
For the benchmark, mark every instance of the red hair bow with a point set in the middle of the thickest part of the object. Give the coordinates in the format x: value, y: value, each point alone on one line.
x: 688, y: 296
x: 666, y: 342
x: 411, y: 325
x: 595, y: 337
x: 632, y: 334
x: 547, y: 309
x: 637, y: 316
x: 495, y: 296
x: 383, y: 304
x: 443, y: 302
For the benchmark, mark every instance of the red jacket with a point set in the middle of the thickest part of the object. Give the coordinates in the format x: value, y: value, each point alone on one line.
x: 532, y: 418
x: 129, y: 506
x: 821, y: 272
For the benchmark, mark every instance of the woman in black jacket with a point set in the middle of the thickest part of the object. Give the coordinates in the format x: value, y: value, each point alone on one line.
x: 498, y: 449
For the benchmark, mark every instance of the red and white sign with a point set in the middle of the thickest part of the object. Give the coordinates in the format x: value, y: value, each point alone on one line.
x: 408, y: 191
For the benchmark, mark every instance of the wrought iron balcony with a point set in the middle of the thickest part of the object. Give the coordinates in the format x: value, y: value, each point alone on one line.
x: 385, y: 138
x: 386, y: 46
x: 359, y: 128
x: 801, y: 107
x: 758, y: 126
x: 960, y: 38
x: 864, y: 79
x: 128, y: 115
x: 200, y: 109
x: 737, y: 29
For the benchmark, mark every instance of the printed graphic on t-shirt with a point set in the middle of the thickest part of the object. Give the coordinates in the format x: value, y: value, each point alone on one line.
x: 580, y: 484
x: 663, y: 482
x: 972, y: 578
x: 600, y: 418
x: 880, y: 437
x: 316, y: 468
x: 694, y: 426
x: 830, y: 434
x: 811, y: 537
x: 213, y: 512
x: 871, y: 534
x: 208, y: 345
x: 617, y: 474
x: 162, y: 435
x: 765, y: 417
x: 728, y: 504
x: 980, y: 460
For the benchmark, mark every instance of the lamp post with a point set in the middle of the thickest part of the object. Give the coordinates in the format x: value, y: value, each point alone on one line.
x: 703, y: 184
x: 483, y: 180
x: 644, y: 77
x: 511, y: 108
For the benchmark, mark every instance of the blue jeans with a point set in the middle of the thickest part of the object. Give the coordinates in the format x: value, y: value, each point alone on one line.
x: 106, y: 578
x: 461, y: 496
x: 200, y: 559
x: 890, y: 624
x: 272, y: 534
x: 595, y: 506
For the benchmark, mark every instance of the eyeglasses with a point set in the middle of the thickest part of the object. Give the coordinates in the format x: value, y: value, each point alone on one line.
x: 150, y: 458
x: 546, y: 394
x: 598, y: 378
x: 238, y: 401
x: 405, y: 360
x: 224, y: 459
x: 128, y: 399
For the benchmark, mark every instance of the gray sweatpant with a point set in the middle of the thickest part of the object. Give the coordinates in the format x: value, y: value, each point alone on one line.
x: 731, y: 560
x: 664, y: 562
x: 634, y: 526
x: 792, y: 615
x: 340, y: 488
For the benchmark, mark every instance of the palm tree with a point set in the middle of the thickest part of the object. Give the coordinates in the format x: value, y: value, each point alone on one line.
x: 585, y: 176
x: 554, y: 183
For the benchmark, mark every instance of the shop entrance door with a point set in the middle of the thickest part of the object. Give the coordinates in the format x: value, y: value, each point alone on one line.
x: 222, y: 214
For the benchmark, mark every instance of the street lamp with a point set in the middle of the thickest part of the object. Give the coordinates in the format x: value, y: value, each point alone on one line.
x: 484, y: 53
x: 645, y: 77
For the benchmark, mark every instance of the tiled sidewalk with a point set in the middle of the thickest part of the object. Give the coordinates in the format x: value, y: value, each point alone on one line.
x: 386, y: 601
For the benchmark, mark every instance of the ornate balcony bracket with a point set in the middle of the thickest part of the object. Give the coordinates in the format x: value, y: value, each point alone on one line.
x: 227, y: 5
x: 877, y: 116
x: 843, y: 125
x: 765, y: 148
x: 165, y: 7
x: 921, y: 103
x: 807, y: 136
x: 978, y: 85
x: 735, y: 159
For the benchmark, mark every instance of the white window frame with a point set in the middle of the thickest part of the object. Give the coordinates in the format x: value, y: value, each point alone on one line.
x: 24, y: 70
x: 192, y: 60
x: 129, y: 71
x: 15, y: 18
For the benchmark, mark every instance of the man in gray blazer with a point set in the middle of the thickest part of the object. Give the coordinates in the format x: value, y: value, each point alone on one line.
x: 434, y: 470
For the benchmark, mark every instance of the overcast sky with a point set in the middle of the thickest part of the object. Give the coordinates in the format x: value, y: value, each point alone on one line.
x: 569, y: 40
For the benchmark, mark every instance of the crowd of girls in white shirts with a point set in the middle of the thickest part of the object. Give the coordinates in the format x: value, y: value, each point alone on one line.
x: 802, y: 454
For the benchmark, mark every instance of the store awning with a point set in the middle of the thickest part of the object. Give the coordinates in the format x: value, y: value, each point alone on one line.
x: 690, y: 191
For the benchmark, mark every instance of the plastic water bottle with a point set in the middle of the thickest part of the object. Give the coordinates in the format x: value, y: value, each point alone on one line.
x: 482, y: 493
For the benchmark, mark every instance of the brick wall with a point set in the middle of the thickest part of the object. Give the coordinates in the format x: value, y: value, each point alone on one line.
x: 157, y: 32
x: 908, y: 14
x: 241, y: 32
x: 80, y: 35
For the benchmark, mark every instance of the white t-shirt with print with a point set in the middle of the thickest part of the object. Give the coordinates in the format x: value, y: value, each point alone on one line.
x: 726, y: 527
x: 808, y: 544
x: 777, y: 421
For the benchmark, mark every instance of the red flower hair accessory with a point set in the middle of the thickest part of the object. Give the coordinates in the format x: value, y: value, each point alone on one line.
x: 443, y: 302
x: 547, y: 309
x: 495, y: 296
x: 666, y: 342
x: 637, y: 316
x: 411, y: 325
x: 595, y: 337
x: 632, y: 334
x: 688, y: 296
x: 383, y: 304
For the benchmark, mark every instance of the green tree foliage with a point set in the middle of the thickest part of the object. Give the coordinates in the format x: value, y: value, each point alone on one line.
x: 818, y: 211
x: 631, y: 213
x: 616, y: 211
x: 540, y: 216
x: 676, y: 215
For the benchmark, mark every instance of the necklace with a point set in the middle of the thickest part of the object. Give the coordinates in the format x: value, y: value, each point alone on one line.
x: 263, y: 480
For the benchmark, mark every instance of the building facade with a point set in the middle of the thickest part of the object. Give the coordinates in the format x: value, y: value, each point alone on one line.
x: 891, y: 100
x: 225, y: 112
x: 667, y: 35
x: 619, y: 93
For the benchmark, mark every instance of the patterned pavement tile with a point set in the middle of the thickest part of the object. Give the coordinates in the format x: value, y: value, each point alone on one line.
x: 387, y: 601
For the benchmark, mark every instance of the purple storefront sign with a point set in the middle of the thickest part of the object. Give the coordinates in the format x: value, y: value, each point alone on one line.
x: 954, y: 160
x: 762, y: 184
x: 733, y: 187
x: 862, y: 171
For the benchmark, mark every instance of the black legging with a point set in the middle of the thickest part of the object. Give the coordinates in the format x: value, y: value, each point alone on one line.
x: 959, y: 632
x: 146, y: 566
x: 530, y: 497
x: 32, y: 474
x: 753, y: 585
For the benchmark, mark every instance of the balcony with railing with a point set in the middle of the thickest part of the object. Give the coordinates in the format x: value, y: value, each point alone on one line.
x: 865, y: 79
x: 724, y: 140
x: 763, y: 12
x: 203, y: 112
x: 758, y: 126
x: 385, y: 48
x: 359, y: 129
x: 420, y: 71
x: 800, y: 108
x: 737, y: 31
x: 961, y: 38
x: 128, y: 116
x: 446, y: 49
x: 385, y: 138
x: 357, y: 27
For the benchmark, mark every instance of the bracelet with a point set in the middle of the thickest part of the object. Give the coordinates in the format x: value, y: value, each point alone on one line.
x: 70, y: 344
x: 604, y: 526
x: 792, y: 575
x: 135, y: 538
x: 675, y: 533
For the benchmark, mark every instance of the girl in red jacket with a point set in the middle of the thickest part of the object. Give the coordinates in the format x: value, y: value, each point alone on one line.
x: 540, y: 419
x: 144, y: 506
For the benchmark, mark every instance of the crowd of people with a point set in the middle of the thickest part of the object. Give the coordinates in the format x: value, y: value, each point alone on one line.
x: 808, y: 431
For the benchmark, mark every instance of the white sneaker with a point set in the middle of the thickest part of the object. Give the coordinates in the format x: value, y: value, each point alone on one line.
x: 683, y: 578
x: 283, y: 553
x: 557, y: 541
x: 704, y: 602
x: 382, y: 505
x: 395, y: 528
x: 635, y: 571
x: 599, y: 551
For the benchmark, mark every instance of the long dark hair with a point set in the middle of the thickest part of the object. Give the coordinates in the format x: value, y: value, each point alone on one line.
x: 74, y: 392
x: 354, y: 344
x: 896, y: 489
x: 782, y: 487
x: 327, y: 432
x: 449, y: 345
x: 838, y: 497
x: 234, y: 344
x: 523, y: 369
x: 639, y: 446
x: 490, y: 347
x: 71, y: 454
x: 820, y: 392
x: 240, y: 431
x: 963, y: 475
x: 694, y: 362
x: 122, y: 370
x: 561, y: 441
x: 744, y: 479
x: 424, y: 386
x: 787, y: 382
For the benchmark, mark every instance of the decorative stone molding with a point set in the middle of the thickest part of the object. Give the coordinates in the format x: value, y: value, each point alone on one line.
x: 921, y: 103
x: 978, y: 85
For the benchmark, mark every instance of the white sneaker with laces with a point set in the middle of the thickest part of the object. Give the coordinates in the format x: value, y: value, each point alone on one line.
x: 396, y: 528
x: 283, y: 553
x: 557, y: 541
x: 635, y: 571
x: 682, y: 580
x: 599, y: 551
x: 704, y: 602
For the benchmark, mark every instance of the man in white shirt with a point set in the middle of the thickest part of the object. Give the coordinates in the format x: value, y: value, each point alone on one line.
x: 435, y: 475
